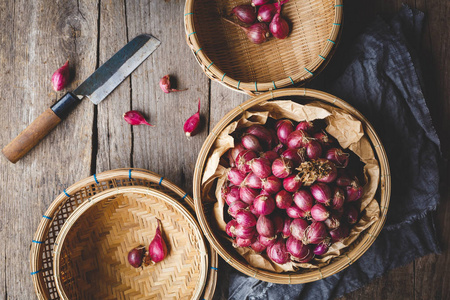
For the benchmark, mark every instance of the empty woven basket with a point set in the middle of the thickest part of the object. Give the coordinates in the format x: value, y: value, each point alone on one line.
x: 90, y: 254
x: 227, y: 56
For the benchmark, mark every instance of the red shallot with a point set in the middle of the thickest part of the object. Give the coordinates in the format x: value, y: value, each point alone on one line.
x: 133, y: 117
x: 253, y: 181
x: 251, y: 142
x: 316, y: 233
x: 338, y: 157
x: 245, y: 13
x: 297, y: 249
x: 230, y: 228
x: 298, y: 228
x: 257, y: 33
x: 292, y: 183
x: 304, y: 200
x: 319, y: 212
x: 61, y: 77
x: 261, y: 167
x: 321, y: 192
x: 264, y: 205
x: 271, y: 184
x: 283, y: 199
x: 235, y: 176
x: 243, y: 159
x: 277, y: 252
x: 136, y: 256
x: 248, y: 194
x: 282, y: 167
x: 279, y: 27
x: 294, y: 212
x: 235, y: 207
x: 265, y: 226
x: 191, y: 125
x: 157, y: 249
x: 245, y: 218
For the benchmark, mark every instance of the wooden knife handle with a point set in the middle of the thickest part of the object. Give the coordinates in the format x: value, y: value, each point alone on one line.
x: 39, y: 128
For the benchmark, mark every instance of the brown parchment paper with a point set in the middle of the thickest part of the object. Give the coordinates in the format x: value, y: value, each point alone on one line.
x: 345, y: 128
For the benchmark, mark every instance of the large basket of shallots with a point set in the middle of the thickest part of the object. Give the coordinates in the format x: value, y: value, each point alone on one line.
x: 299, y: 184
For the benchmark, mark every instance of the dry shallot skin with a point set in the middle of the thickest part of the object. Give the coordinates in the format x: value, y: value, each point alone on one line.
x: 134, y: 117
x: 265, y: 227
x: 229, y: 229
x: 61, y: 77
x: 278, y: 252
x: 165, y: 85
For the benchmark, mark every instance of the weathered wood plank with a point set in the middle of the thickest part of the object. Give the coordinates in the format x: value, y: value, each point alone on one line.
x: 114, y: 134
x: 37, y: 38
x: 165, y: 149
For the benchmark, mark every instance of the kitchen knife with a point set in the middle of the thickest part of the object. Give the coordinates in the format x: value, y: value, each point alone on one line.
x: 97, y: 87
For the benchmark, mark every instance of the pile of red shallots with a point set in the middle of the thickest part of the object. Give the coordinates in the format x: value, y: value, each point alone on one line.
x: 290, y: 190
x: 264, y: 19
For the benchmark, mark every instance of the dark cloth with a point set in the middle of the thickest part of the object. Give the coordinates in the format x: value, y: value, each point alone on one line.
x: 381, y: 78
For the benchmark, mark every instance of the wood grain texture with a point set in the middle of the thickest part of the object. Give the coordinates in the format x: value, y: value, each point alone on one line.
x: 164, y: 148
x: 37, y: 37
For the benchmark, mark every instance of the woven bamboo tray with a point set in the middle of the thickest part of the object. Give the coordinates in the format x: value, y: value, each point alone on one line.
x: 41, y: 259
x: 226, y: 56
x: 90, y: 253
x: 353, y: 252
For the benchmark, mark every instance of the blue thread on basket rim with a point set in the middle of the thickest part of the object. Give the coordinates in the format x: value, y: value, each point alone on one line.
x: 291, y: 80
x: 161, y: 180
x: 35, y: 272
x: 322, y: 57
x: 37, y: 242
x: 185, y: 195
x: 199, y: 49
x: 95, y: 178
x: 214, y: 268
x: 66, y: 194
x: 47, y: 217
x: 129, y: 174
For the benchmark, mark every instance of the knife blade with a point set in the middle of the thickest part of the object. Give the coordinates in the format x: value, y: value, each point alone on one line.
x: 96, y: 87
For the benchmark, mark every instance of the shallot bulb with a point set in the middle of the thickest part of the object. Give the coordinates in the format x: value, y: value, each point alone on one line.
x: 191, y: 125
x: 304, y: 200
x: 351, y: 214
x: 235, y: 207
x: 316, y: 233
x: 323, y: 138
x: 321, y: 192
x: 259, y: 2
x: 245, y: 13
x: 232, y: 195
x: 282, y: 167
x: 241, y: 242
x: 253, y: 181
x: 235, y: 176
x: 270, y: 155
x: 283, y: 199
x: 286, y: 228
x: 136, y: 256
x: 236, y: 150
x: 297, y: 249
x: 354, y: 191
x: 343, y: 179
x: 251, y: 142
x: 243, y: 159
x: 339, y: 233
x: 292, y: 183
x: 133, y: 117
x: 257, y: 33
x: 321, y: 249
x: 230, y: 228
x: 338, y: 198
x: 294, y: 212
x: 297, y: 139
x: 298, y: 229
x: 279, y: 148
x: 265, y: 226
x: 262, y: 133
x: 328, y: 171
x: 339, y: 158
x: 61, y: 77
x: 266, y: 241
x: 278, y: 222
x: 271, y: 184
x: 264, y: 205
x: 319, y: 212
x: 248, y: 194
x: 257, y: 246
x: 279, y: 27
x: 157, y: 249
x: 284, y: 129
x: 244, y: 232
x: 266, y: 12
x: 251, y: 208
x: 306, y: 126
x: 245, y: 218
x: 313, y: 150
x: 261, y: 167
x: 278, y: 252
x: 293, y: 155
x: 165, y: 85
x: 332, y: 222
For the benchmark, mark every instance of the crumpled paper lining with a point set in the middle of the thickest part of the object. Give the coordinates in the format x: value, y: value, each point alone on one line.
x: 345, y: 128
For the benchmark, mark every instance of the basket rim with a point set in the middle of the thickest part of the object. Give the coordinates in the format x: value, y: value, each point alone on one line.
x: 253, y: 88
x: 92, y: 201
x: 342, y: 261
x: 41, y: 233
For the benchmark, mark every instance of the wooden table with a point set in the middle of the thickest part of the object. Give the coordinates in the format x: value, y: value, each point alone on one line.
x: 39, y: 36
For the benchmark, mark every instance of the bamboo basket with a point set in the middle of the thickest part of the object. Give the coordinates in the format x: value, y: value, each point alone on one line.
x: 352, y: 253
x: 90, y: 253
x: 228, y: 57
x: 41, y: 253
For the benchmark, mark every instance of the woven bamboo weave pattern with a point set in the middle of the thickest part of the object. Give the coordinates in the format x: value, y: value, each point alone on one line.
x: 41, y: 253
x: 93, y: 259
x: 226, y: 54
